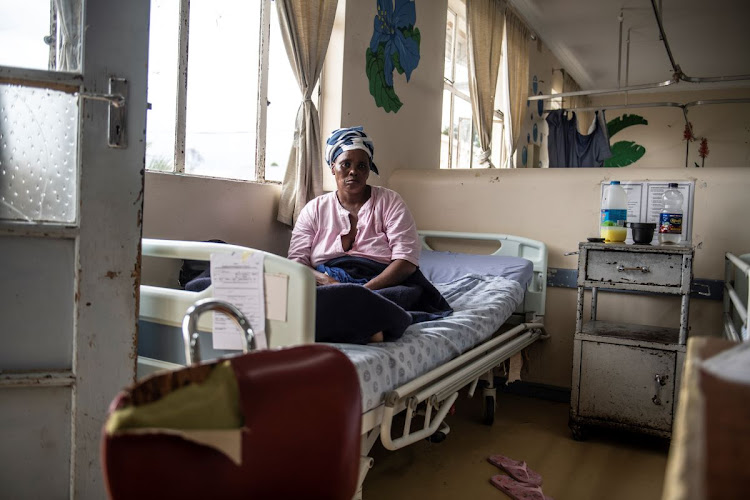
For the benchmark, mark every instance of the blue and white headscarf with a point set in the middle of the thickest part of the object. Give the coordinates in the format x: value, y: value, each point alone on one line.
x: 346, y: 139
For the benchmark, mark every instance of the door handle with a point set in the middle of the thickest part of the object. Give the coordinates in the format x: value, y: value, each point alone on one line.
x: 117, y: 98
x: 661, y: 381
x: 643, y: 269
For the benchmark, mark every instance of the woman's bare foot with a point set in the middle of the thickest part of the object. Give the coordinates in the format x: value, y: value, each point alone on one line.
x: 378, y: 337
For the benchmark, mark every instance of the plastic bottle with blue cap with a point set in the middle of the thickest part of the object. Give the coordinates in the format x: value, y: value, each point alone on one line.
x: 614, y: 213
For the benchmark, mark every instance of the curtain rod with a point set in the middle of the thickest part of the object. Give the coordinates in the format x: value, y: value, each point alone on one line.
x: 691, y: 104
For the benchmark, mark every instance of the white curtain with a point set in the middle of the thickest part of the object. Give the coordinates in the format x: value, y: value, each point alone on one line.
x: 69, y: 20
x: 518, y: 72
x: 484, y: 26
x: 306, y: 27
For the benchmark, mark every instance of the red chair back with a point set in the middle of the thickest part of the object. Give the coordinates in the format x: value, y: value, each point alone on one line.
x: 300, y: 439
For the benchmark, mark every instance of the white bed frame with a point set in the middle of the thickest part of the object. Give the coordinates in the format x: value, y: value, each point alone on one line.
x: 430, y: 395
x: 736, y: 296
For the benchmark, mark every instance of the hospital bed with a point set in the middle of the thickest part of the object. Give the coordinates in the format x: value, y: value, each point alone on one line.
x: 736, y: 296
x: 498, y: 303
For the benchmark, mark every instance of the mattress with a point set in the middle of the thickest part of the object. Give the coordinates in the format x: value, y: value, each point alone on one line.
x: 444, y: 267
x: 481, y: 304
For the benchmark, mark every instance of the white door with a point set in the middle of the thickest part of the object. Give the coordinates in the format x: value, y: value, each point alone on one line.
x: 70, y: 228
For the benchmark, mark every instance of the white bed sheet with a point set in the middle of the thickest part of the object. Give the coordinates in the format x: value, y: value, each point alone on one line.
x: 481, y: 305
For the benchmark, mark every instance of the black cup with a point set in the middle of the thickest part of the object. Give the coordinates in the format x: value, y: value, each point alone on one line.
x: 643, y: 232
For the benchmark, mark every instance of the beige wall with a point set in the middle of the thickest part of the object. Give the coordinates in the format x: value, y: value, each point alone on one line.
x: 725, y: 126
x: 181, y: 207
x: 560, y: 207
x: 409, y: 138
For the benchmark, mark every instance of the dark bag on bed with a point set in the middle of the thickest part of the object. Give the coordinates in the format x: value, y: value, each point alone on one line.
x: 193, y: 270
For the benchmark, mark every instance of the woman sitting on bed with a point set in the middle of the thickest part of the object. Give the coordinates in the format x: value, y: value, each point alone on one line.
x: 362, y: 238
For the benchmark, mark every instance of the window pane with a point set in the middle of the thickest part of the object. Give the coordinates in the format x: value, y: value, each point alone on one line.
x: 497, y: 142
x: 449, y: 30
x: 445, y: 128
x: 26, y: 26
x: 284, y: 99
x: 23, y: 26
x: 38, y: 155
x: 462, y: 58
x: 462, y: 125
x: 222, y: 88
x: 163, y: 60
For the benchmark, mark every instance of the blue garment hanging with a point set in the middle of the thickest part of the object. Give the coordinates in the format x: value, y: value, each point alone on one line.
x: 568, y: 148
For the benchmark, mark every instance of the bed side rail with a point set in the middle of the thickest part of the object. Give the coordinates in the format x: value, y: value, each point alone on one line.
x: 513, y: 246
x: 167, y: 306
x: 736, y: 296
x: 439, y: 388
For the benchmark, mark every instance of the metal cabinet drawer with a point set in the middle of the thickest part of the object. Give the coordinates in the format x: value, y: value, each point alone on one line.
x: 627, y: 385
x: 655, y: 269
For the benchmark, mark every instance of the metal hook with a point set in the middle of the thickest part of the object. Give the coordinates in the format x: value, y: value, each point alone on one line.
x: 190, y: 327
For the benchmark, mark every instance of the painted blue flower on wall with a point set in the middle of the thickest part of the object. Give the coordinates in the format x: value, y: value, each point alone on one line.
x: 394, y: 45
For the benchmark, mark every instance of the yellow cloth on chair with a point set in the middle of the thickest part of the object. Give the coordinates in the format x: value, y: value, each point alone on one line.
x: 212, y: 404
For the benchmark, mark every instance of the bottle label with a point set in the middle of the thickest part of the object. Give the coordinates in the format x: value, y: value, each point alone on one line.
x: 614, y: 217
x: 670, y: 223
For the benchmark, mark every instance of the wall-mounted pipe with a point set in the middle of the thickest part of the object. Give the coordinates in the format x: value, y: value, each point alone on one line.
x: 677, y: 77
x: 619, y: 50
x: 676, y: 67
x: 627, y: 59
x: 620, y: 90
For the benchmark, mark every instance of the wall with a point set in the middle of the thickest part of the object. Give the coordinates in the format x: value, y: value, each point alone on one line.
x: 182, y: 207
x: 560, y: 207
x: 196, y: 208
x: 726, y: 126
x: 409, y: 138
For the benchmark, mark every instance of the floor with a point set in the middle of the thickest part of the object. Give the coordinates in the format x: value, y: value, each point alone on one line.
x: 608, y: 465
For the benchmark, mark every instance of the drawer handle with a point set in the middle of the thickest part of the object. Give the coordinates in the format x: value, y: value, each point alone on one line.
x: 643, y: 269
x: 661, y: 381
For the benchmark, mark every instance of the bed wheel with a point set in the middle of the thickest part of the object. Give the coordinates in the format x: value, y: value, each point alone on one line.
x: 437, y: 437
x: 578, y: 431
x: 488, y: 413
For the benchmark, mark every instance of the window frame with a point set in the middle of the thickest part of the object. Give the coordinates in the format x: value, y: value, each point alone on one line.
x: 498, y: 116
x: 181, y: 96
x: 448, y: 85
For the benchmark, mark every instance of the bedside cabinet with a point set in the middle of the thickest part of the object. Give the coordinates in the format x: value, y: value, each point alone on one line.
x: 625, y: 375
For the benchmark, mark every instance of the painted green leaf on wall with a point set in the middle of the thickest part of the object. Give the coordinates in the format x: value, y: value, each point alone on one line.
x: 624, y: 153
x: 624, y: 121
x: 384, y: 95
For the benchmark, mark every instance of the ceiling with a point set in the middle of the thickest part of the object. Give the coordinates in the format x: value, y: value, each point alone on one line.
x: 707, y: 38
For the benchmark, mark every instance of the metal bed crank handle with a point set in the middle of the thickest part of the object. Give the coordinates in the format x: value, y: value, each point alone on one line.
x: 190, y: 327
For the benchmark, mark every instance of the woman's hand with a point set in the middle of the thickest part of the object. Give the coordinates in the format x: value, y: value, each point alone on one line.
x: 323, y: 279
x: 395, y: 274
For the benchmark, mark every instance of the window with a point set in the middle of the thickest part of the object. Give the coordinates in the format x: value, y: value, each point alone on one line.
x: 219, y: 89
x: 459, y: 141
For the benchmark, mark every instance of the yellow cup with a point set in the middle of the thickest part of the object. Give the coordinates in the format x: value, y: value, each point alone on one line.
x: 614, y: 234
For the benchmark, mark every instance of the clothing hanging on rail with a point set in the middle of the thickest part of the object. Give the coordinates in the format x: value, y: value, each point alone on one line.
x: 568, y: 148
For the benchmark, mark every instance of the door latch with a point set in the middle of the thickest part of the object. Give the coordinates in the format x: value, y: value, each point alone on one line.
x: 117, y: 98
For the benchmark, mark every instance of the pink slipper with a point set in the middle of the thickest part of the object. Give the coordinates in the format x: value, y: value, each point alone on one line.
x: 515, y: 469
x: 516, y: 490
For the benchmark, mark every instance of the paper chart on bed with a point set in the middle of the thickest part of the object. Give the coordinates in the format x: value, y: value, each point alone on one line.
x: 237, y: 278
x: 645, y: 204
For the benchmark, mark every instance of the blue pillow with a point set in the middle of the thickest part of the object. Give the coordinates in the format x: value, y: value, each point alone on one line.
x: 444, y: 267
